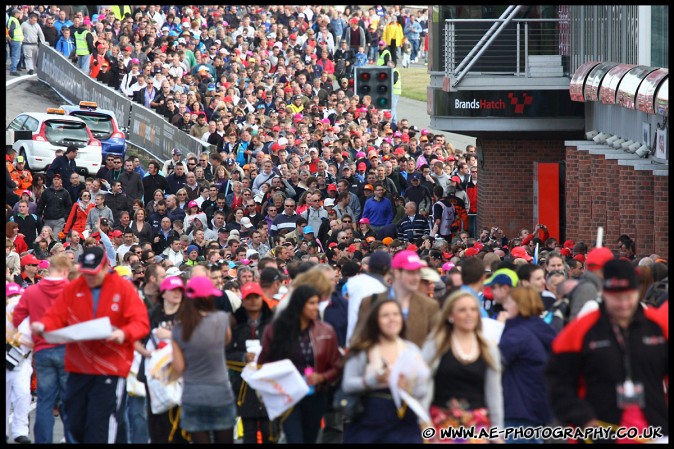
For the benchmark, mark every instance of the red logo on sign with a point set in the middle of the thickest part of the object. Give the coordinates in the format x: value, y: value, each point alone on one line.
x: 519, y: 103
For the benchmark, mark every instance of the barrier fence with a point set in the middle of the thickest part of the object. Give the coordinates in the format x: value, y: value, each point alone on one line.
x: 143, y: 127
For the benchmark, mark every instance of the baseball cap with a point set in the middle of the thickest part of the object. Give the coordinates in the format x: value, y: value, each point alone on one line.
x: 368, y: 187
x: 308, y: 230
x: 598, y: 257
x: 380, y: 261
x: 362, y: 166
x: 245, y: 221
x: 12, y: 289
x: 116, y: 233
x: 471, y: 252
x: 177, y: 151
x: 447, y: 266
x: 20, y: 160
x: 93, y: 260
x: 173, y: 271
x: 171, y: 283
x: 416, y: 176
x: 455, y: 178
x: 430, y: 274
x: 503, y: 276
x: 192, y: 204
x: 364, y: 220
x: 332, y: 187
x: 407, y: 260
x: 27, y: 192
x: 251, y: 288
x: 329, y: 202
x: 569, y: 244
x: 520, y: 252
x: 105, y: 222
x: 382, y: 43
x: 192, y: 248
x: 270, y: 274
x: 223, y: 230
x: 619, y: 276
x: 201, y: 287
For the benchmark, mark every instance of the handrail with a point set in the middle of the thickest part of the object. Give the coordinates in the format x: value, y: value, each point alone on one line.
x: 483, y: 46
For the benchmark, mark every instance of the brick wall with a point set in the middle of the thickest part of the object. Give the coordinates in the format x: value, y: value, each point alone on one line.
x: 505, y: 186
x: 599, y: 192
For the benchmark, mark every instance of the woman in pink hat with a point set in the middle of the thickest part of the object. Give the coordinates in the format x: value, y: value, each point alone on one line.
x: 199, y: 340
x: 162, y: 319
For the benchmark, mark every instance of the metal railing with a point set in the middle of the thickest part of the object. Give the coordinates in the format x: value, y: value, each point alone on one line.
x: 517, y: 47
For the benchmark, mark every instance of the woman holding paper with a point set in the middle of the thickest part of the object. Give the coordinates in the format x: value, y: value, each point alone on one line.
x: 248, y: 325
x: 162, y: 319
x: 299, y: 335
x: 466, y: 382
x: 376, y: 347
x: 199, y: 339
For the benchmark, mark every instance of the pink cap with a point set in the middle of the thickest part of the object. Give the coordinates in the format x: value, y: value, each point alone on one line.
x: 397, y: 134
x: 447, y: 266
x: 201, y: 287
x: 407, y: 260
x: 192, y: 204
x: 364, y: 221
x: 298, y: 117
x: 171, y: 283
x: 43, y: 264
x: 382, y: 43
x: 360, y: 154
x: 424, y: 131
x: 12, y: 289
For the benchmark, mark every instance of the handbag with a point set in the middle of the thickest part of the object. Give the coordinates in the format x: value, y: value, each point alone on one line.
x: 164, y: 394
x: 349, y: 404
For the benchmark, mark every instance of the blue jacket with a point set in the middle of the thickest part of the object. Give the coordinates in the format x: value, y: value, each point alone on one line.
x: 336, y: 313
x: 525, y: 349
x: 65, y: 46
x: 380, y: 213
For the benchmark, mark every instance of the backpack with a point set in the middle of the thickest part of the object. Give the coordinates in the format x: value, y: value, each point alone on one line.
x: 447, y: 219
x: 657, y: 293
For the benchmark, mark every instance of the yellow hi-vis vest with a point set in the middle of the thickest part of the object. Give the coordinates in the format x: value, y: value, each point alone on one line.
x: 18, y: 32
x: 81, y: 47
x: 380, y: 60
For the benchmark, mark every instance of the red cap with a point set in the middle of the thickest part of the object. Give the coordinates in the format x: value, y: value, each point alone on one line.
x: 455, y: 179
x: 569, y: 244
x: 362, y: 166
x: 597, y: 257
x: 332, y: 245
x: 565, y: 251
x: 351, y: 248
x: 520, y: 252
x: 116, y: 233
x: 332, y: 187
x: 29, y: 259
x: 580, y: 257
x: 471, y: 252
x: 251, y: 288
x: 412, y: 248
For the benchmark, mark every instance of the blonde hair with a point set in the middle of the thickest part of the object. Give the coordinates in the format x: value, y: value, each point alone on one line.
x: 442, y: 333
x: 316, y: 278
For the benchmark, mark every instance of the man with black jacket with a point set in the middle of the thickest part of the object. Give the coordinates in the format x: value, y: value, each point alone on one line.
x: 55, y: 205
x: 117, y: 201
x: 64, y: 166
x: 131, y: 183
x: 154, y: 180
x: 609, y: 367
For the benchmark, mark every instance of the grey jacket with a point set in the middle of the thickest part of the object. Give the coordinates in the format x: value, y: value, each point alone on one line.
x: 493, y: 391
x: 95, y: 213
x: 588, y: 289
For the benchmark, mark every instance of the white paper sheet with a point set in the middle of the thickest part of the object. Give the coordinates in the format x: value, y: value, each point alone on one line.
x: 279, y: 384
x: 97, y: 329
x: 492, y: 329
x: 412, y: 366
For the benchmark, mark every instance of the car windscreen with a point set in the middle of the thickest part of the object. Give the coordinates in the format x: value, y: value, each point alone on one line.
x: 65, y: 133
x: 100, y: 125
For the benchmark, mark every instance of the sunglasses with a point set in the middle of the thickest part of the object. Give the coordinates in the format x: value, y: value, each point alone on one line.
x: 346, y: 221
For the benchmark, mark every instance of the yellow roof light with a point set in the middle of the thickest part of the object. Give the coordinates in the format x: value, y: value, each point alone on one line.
x: 56, y: 111
x: 88, y: 104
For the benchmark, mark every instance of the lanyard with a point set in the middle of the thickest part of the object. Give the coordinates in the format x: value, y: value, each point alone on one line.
x: 620, y: 339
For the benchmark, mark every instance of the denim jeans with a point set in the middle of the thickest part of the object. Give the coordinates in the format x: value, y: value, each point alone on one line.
x: 15, y: 49
x: 415, y: 48
x: 83, y: 62
x: 136, y: 420
x: 304, y: 422
x: 51, y: 387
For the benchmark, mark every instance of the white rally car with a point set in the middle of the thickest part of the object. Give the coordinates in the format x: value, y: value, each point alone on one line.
x: 37, y: 135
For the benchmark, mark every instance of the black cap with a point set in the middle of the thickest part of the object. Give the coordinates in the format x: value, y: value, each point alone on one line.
x: 92, y: 260
x: 619, y: 276
x: 105, y: 222
x: 380, y: 261
x: 270, y: 274
x: 223, y: 230
x: 415, y: 175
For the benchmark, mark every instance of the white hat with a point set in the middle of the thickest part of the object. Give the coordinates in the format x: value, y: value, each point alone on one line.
x: 234, y: 232
x: 173, y: 271
x: 329, y: 202
x: 283, y: 141
x: 251, y: 252
x: 245, y: 221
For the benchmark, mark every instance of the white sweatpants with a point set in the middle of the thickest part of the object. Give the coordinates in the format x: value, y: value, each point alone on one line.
x: 17, y: 398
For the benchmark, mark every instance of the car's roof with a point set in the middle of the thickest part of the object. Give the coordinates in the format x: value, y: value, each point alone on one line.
x: 72, y: 108
x: 42, y: 116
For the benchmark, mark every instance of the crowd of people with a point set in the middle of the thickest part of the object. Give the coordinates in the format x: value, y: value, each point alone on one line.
x: 336, y: 235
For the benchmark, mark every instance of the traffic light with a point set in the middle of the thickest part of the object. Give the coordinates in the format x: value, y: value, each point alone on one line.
x: 377, y: 82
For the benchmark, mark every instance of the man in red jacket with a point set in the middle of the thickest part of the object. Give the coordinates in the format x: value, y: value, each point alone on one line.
x: 49, y: 358
x: 96, y: 387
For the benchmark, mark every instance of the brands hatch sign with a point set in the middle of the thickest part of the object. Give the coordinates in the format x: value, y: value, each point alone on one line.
x: 503, y: 103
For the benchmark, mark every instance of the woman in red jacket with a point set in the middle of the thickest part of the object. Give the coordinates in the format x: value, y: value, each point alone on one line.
x: 77, y: 219
x: 312, y: 346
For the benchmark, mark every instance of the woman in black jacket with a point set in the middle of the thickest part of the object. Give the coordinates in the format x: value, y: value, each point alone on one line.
x: 249, y: 322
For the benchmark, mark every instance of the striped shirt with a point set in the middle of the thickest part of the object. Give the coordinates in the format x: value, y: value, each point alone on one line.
x: 411, y: 228
x: 283, y: 222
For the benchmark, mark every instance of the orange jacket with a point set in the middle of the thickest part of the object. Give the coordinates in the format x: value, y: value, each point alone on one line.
x: 23, y: 180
